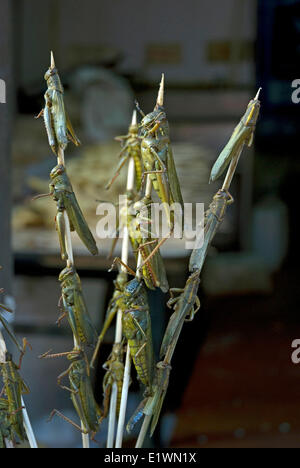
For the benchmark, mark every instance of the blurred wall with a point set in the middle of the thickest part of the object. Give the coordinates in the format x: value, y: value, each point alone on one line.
x: 5, y: 128
x: 192, y: 40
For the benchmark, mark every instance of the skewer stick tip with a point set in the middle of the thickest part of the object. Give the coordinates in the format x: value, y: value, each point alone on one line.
x: 257, y: 94
x: 134, y: 118
x: 52, y: 60
x: 160, y: 96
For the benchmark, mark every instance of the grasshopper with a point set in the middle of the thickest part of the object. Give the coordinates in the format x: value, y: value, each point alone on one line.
x: 187, y: 302
x: 154, y: 404
x: 158, y: 158
x: 136, y: 325
x: 114, y: 374
x: 135, y: 215
x: 213, y: 218
x: 81, y: 391
x: 131, y: 149
x: 58, y: 126
x: 112, y: 309
x: 75, y: 307
x: 243, y: 134
x: 154, y: 273
x: 127, y: 217
x: 14, y: 388
x: 62, y: 192
x: 186, y: 305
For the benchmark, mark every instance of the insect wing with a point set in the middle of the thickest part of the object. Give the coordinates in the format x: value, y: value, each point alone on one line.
x: 59, y: 118
x: 160, y: 270
x: 61, y: 231
x: 136, y: 417
x: 173, y: 178
x: 88, y: 403
x: 138, y: 167
x: 16, y: 386
x: 79, y: 223
x: 235, y: 144
x: 154, y: 272
x: 162, y: 387
x: 174, y: 321
x: 84, y: 317
x: 71, y: 133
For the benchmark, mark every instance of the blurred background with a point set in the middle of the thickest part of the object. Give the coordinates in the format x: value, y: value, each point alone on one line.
x: 233, y: 382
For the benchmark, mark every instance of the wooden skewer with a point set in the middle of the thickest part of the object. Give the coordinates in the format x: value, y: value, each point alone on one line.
x: 161, y: 92
x: 118, y: 334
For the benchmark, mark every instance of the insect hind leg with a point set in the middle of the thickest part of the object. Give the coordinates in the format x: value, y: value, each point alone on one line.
x: 65, y: 418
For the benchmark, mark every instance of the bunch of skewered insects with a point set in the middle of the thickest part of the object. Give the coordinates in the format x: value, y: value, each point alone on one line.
x: 147, y: 152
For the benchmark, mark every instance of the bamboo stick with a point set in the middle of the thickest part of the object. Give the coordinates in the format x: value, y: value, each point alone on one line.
x: 143, y: 431
x: 124, y: 397
x: 28, y: 427
x: 112, y: 417
x: 124, y: 257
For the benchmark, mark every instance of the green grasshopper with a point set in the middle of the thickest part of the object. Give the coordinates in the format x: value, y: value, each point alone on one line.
x: 114, y: 367
x: 14, y: 388
x: 154, y: 272
x: 158, y: 158
x: 62, y: 192
x: 75, y: 307
x: 111, y: 312
x: 135, y: 215
x: 154, y: 404
x: 131, y: 149
x: 187, y: 302
x: 132, y: 299
x: 136, y: 326
x: 243, y: 134
x: 127, y: 217
x: 58, y: 126
x: 81, y: 391
x: 186, y: 306
x: 213, y: 218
